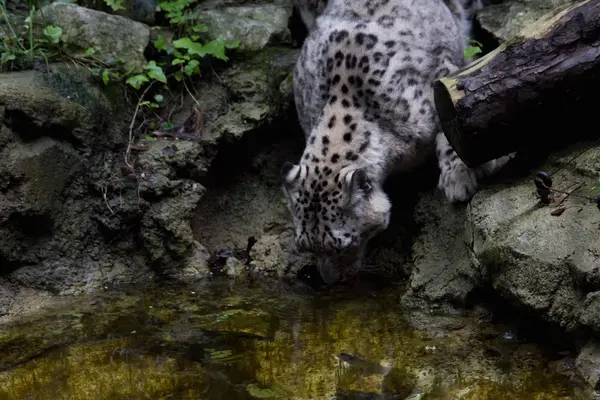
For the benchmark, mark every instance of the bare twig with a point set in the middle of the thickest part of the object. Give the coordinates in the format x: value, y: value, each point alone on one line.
x: 104, y: 193
x: 190, y: 93
x: 569, y: 193
x: 130, y: 140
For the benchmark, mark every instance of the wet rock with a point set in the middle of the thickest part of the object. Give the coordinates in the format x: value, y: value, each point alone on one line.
x: 247, y: 96
x: 255, y: 26
x: 276, y: 255
x: 167, y: 234
x: 590, y: 315
x: 113, y: 36
x: 196, y: 264
x: 38, y: 172
x: 537, y: 260
x: 71, y: 220
x: 507, y: 19
x: 234, y: 267
x: 46, y: 120
x: 166, y: 161
x: 588, y: 364
x: 8, y: 292
x: 443, y: 268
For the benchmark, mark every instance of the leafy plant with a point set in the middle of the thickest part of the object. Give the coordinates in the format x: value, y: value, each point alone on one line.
x: 25, y: 47
x: 472, y: 50
x: 116, y: 5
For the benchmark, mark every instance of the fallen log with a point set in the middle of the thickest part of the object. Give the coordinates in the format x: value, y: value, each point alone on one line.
x: 546, y: 79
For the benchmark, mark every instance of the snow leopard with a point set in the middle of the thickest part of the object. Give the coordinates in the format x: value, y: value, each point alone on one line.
x: 363, y: 89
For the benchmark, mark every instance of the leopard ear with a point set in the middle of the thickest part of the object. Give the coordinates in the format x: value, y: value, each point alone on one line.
x: 359, y: 183
x: 290, y: 174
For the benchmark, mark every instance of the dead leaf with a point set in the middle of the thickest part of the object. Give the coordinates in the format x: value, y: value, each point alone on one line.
x: 139, y: 148
x: 558, y: 211
x: 558, y: 200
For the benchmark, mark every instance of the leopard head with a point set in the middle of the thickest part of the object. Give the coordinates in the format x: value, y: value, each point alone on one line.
x: 334, y: 214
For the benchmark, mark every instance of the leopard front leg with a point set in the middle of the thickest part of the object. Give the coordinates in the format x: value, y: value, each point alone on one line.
x: 459, y: 182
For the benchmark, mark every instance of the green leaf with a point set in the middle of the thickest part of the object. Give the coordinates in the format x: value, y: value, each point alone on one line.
x: 155, y: 72
x: 160, y: 43
x: 177, y: 61
x: 216, y: 48
x: 6, y: 57
x: 116, y: 5
x: 137, y: 80
x: 105, y: 76
x: 192, y: 67
x: 148, y: 104
x: 167, y: 125
x: 471, y: 51
x: 188, y: 44
x: 90, y: 52
x: 473, y: 41
x: 159, y: 98
x: 53, y: 33
x: 233, y: 45
x: 200, y: 28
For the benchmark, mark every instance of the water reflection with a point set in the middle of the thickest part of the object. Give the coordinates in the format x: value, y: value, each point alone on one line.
x: 222, y: 340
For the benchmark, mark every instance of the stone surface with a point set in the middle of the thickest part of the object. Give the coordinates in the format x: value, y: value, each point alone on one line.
x: 113, y: 36
x: 443, y: 265
x: 505, y: 20
x: 590, y: 315
x: 276, y: 255
x: 196, y: 264
x: 246, y: 96
x: 167, y: 234
x: 71, y: 219
x: 588, y: 364
x: 542, y: 263
x: 255, y: 26
x: 537, y: 260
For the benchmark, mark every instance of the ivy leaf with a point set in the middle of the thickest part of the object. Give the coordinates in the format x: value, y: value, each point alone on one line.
x: 233, y: 45
x: 116, y: 5
x: 137, y: 80
x: 155, y: 72
x: 6, y: 57
x: 216, y: 48
x: 160, y: 43
x: 53, y: 33
x: 105, y: 76
x: 471, y: 51
x: 200, y: 28
x: 192, y: 47
x: 192, y: 67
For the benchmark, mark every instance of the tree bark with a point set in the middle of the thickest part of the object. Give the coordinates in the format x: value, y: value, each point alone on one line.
x: 544, y: 80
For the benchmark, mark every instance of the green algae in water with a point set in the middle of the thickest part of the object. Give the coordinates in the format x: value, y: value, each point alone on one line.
x: 220, y: 340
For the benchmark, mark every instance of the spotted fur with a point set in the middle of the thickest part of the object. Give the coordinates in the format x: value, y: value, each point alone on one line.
x: 363, y: 92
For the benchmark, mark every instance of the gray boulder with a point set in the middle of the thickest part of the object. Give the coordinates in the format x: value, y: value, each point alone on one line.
x: 507, y: 19
x: 540, y: 261
x: 444, y: 270
x: 246, y: 96
x: 256, y: 26
x: 113, y: 36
